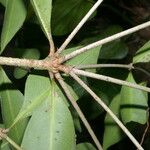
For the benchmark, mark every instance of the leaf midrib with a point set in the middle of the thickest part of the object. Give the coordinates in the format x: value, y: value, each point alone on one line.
x: 52, y: 116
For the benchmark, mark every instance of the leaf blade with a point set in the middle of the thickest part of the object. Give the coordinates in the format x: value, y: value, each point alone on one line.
x: 11, y: 102
x: 36, y: 89
x: 65, y: 15
x: 43, y: 12
x: 12, y: 23
x: 85, y: 146
x: 57, y: 123
x: 111, y: 128
x: 143, y: 54
x: 133, y: 104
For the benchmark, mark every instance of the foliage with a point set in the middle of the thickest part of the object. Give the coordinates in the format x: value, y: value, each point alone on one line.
x: 34, y: 107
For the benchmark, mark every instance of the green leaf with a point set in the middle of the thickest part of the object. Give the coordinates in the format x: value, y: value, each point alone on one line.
x: 3, y: 2
x: 90, y: 107
x: 114, y: 50
x: 51, y: 126
x: 73, y: 93
x: 5, y: 146
x: 76, y: 90
x: 143, y: 54
x: 112, y: 133
x: 65, y: 15
x: 25, y: 53
x: 11, y: 102
x: 59, y: 92
x: 43, y: 12
x: 133, y: 104
x: 19, y: 73
x: 76, y: 119
x: 15, y: 15
x: 85, y: 146
x: 36, y: 90
x: 89, y: 57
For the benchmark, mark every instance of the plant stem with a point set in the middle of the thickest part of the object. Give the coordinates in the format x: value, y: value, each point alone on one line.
x: 52, y: 47
x: 77, y: 108
x: 17, y: 147
x: 106, y: 40
x: 27, y: 63
x: 78, y: 27
x: 107, y: 110
x: 91, y: 66
x: 110, y: 79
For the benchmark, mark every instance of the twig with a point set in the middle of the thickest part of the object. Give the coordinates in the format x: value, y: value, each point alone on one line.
x: 106, y: 40
x: 91, y: 66
x: 78, y: 27
x: 77, y: 108
x: 110, y: 79
x: 107, y: 110
x: 52, y: 47
x: 27, y: 63
x: 128, y: 66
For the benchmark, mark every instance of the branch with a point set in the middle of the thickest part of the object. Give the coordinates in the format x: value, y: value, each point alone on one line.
x: 107, y: 110
x: 77, y: 108
x: 110, y: 79
x: 78, y: 27
x: 106, y: 40
x: 128, y: 66
x: 52, y: 46
x: 27, y: 63
x: 91, y: 66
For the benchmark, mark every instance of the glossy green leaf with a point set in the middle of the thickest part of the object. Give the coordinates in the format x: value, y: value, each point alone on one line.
x: 76, y: 119
x: 76, y: 90
x: 11, y: 103
x: 20, y: 72
x: 113, y: 50
x: 43, y: 12
x: 36, y: 90
x: 5, y: 146
x: 14, y: 18
x: 3, y: 2
x: 143, y: 54
x: 111, y: 30
x: 65, y: 15
x: 51, y: 126
x: 90, y: 107
x: 73, y: 93
x: 89, y: 57
x: 99, y: 34
x: 85, y: 146
x: 112, y: 133
x: 133, y: 104
x: 25, y: 53
x: 61, y: 94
